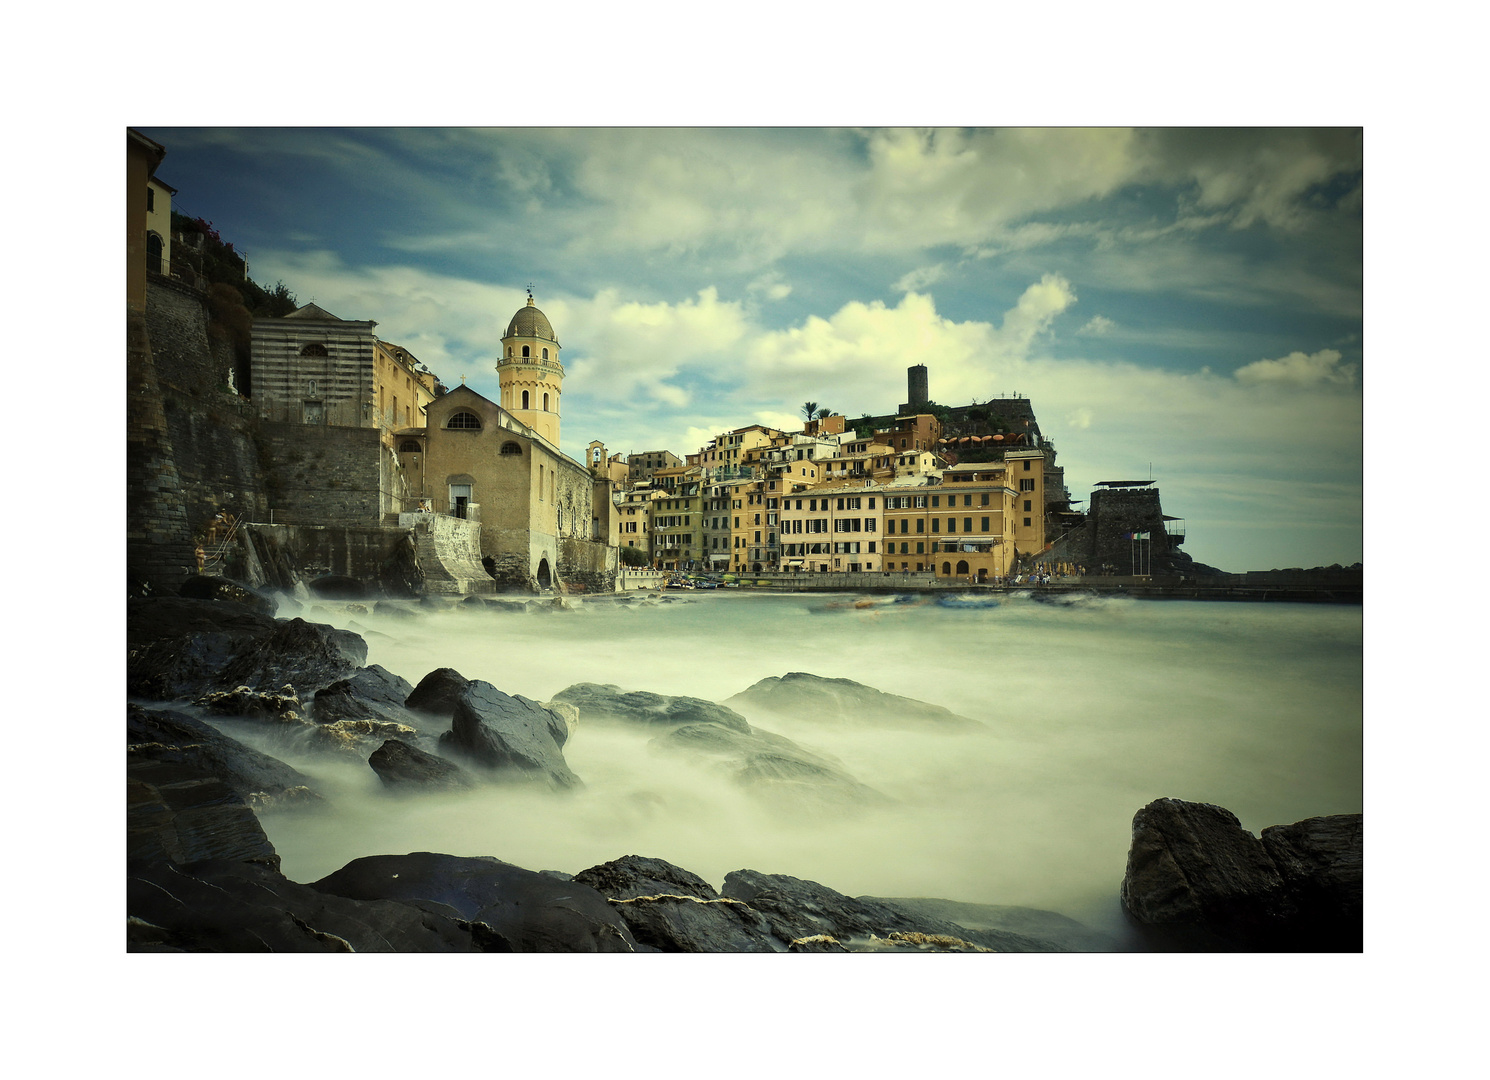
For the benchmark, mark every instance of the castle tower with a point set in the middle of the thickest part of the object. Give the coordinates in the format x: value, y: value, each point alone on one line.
x: 531, y: 376
x: 916, y: 390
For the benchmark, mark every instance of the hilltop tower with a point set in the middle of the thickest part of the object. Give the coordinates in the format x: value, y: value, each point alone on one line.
x: 531, y: 376
x: 916, y: 390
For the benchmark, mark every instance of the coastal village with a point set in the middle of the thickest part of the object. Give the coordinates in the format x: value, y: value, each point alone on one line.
x: 283, y: 447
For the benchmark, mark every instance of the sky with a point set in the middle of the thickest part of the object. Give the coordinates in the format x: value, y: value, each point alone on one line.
x: 1183, y: 304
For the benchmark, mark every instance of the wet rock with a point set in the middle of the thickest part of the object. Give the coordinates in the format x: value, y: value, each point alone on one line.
x: 225, y: 906
x: 797, y: 909
x: 203, y: 587
x: 178, y: 812
x: 674, y: 910
x: 405, y: 767
x: 1033, y: 923
x: 606, y: 701
x: 354, y: 738
x: 532, y: 911
x: 395, y: 610
x: 171, y: 737
x: 370, y: 693
x: 304, y: 655
x: 438, y: 692
x: 781, y: 773
x: 177, y: 647
x: 843, y: 702
x: 513, y: 737
x: 1196, y: 879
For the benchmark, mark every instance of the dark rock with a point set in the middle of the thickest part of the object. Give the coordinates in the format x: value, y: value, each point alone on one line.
x: 534, y: 912
x: 355, y: 738
x: 514, y: 737
x: 178, y: 647
x: 400, y: 573
x: 796, y: 909
x: 304, y: 655
x: 223, y: 906
x: 844, y: 702
x: 174, y: 738
x: 397, y: 611
x: 438, y: 692
x: 674, y: 910
x: 402, y: 766
x: 370, y: 693
x: 642, y: 707
x: 784, y: 775
x: 177, y: 812
x: 1196, y: 879
x: 338, y: 587
x: 202, y: 587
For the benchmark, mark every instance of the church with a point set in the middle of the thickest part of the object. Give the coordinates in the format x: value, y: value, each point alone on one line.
x: 544, y: 518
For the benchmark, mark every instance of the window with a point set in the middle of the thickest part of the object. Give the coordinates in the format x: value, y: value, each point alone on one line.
x: 463, y: 421
x: 154, y: 253
x: 1026, y: 521
x: 920, y: 550
x: 1026, y: 506
x: 149, y: 199
x: 545, y: 403
x: 1026, y: 464
x: 967, y: 500
x: 936, y: 500
x: 526, y: 351
x: 545, y: 354
x: 1026, y: 485
x: 985, y: 524
x: 936, y: 525
x: 313, y: 350
x: 951, y: 525
x: 525, y: 399
x: 967, y: 524
x: 985, y: 498
x: 920, y: 525
x: 514, y: 448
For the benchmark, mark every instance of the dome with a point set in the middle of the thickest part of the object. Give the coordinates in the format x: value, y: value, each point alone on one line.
x: 531, y: 323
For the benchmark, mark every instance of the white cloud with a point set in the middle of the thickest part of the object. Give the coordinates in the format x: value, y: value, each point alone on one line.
x: 1299, y: 369
x: 1097, y: 326
x: 916, y: 280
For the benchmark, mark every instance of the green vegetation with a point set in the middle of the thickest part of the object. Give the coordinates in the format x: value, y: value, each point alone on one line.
x: 633, y: 556
x: 215, y: 260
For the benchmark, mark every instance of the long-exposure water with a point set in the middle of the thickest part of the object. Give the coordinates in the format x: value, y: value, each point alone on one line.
x: 1090, y: 711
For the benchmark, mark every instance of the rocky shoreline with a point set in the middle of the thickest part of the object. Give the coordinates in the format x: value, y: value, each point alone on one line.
x: 204, y: 877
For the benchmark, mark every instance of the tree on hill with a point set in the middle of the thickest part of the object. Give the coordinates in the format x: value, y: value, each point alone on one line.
x: 809, y: 410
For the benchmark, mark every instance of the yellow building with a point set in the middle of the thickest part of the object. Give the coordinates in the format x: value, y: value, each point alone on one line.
x: 531, y: 376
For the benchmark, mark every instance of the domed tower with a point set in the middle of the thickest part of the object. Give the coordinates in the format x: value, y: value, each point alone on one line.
x: 531, y: 376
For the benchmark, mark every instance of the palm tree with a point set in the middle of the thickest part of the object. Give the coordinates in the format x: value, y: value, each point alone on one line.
x: 809, y: 410
x: 824, y: 413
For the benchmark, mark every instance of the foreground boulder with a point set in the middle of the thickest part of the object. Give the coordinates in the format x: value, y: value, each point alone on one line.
x: 843, y: 702
x: 1196, y: 879
x: 174, y: 738
x: 607, y: 701
x: 230, y: 906
x: 673, y: 910
x: 177, y: 812
x: 512, y: 736
x: 533, y: 912
x: 299, y: 654
x: 438, y: 692
x: 370, y: 693
x: 178, y: 647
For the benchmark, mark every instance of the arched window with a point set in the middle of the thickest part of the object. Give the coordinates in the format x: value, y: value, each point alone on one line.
x: 509, y: 350
x: 154, y: 248
x: 525, y: 393
x: 527, y: 351
x: 464, y: 421
x: 545, y: 354
x: 511, y: 448
x: 313, y: 350
x: 545, y: 403
x: 946, y: 569
x: 408, y: 446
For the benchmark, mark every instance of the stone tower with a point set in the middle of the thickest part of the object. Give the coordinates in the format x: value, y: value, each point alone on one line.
x: 531, y: 376
x: 916, y: 390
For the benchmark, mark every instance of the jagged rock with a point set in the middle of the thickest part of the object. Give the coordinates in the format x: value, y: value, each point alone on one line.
x: 801, y: 696
x: 1196, y: 879
x: 438, y: 692
x: 281, y: 708
x: 354, y: 738
x: 338, y: 587
x: 607, y: 701
x: 674, y: 910
x: 170, y: 737
x: 534, y: 912
x: 818, y: 943
x: 796, y: 909
x: 224, y: 906
x: 783, y: 774
x: 514, y: 737
x: 178, y: 647
x: 202, y: 587
x: 304, y: 655
x: 370, y: 693
x: 402, y: 766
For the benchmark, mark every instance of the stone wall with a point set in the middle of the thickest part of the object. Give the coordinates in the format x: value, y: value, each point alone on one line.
x: 158, y: 549
x: 188, y: 357
x: 449, y: 554
x: 375, y: 554
x: 589, y: 564
x: 325, y: 475
x: 1115, y: 512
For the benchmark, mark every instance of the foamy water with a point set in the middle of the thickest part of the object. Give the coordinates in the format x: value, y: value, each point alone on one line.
x: 1091, y: 712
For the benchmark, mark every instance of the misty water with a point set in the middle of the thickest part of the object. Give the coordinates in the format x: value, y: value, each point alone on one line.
x: 1090, y: 711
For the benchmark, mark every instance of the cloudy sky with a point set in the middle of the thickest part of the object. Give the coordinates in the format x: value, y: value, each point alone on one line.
x: 1182, y: 303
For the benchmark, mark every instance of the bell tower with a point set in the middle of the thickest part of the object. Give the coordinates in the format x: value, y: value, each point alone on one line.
x: 530, y: 373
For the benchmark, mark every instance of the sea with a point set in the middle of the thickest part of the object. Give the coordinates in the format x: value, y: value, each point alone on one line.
x: 1087, y: 709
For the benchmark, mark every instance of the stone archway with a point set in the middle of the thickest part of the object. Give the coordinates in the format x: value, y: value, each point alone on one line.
x: 545, y: 575
x: 962, y: 568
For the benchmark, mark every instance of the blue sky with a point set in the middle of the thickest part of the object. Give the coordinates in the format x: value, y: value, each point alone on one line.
x: 1179, y: 302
